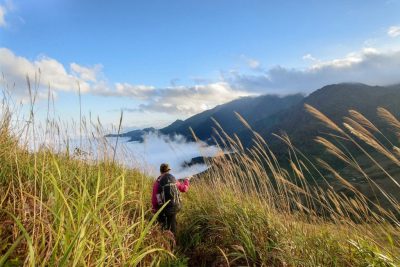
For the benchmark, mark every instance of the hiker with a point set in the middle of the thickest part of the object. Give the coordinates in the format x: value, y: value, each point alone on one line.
x: 166, y: 188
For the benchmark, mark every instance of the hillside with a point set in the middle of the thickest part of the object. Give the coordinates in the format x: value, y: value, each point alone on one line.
x: 59, y: 210
x: 251, y: 108
x: 269, y: 114
x: 334, y: 101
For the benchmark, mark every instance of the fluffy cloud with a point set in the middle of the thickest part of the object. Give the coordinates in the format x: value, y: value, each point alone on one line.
x: 394, y: 31
x: 86, y: 74
x: 142, y: 92
x: 51, y: 72
x: 186, y: 100
x: 369, y: 66
x: 156, y: 149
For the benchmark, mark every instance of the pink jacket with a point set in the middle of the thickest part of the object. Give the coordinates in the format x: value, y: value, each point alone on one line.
x: 182, y: 186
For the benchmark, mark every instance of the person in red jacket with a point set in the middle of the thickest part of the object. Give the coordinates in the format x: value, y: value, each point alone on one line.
x: 166, y: 190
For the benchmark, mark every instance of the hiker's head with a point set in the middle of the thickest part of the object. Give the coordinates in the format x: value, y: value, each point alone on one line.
x: 164, y: 168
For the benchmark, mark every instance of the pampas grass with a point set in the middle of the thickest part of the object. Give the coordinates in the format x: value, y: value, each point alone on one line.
x: 60, y: 208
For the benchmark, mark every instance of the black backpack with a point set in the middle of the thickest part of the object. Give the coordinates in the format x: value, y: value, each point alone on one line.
x: 169, y: 192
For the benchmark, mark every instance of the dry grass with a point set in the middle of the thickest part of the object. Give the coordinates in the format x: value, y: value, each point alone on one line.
x: 247, y: 196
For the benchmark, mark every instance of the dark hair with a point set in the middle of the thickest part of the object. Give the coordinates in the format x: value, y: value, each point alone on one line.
x: 164, y: 168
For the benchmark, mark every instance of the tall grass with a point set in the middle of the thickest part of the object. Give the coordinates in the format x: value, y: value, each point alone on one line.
x: 249, y: 210
x: 61, y: 207
x: 56, y: 208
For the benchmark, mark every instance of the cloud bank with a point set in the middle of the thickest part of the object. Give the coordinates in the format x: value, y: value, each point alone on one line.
x: 51, y: 72
x: 181, y: 99
x: 157, y: 149
x: 370, y: 66
x: 186, y: 100
x: 146, y: 156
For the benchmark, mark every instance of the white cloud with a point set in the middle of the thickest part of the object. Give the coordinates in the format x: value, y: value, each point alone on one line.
x: 186, y: 100
x: 3, y: 12
x: 50, y: 71
x: 85, y: 73
x: 309, y: 57
x: 251, y: 62
x: 370, y: 66
x: 146, y: 156
x: 5, y: 8
x: 183, y: 100
x: 157, y: 149
x: 137, y: 91
x: 394, y: 31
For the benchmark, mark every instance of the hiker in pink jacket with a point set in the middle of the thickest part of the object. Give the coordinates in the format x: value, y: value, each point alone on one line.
x: 166, y: 190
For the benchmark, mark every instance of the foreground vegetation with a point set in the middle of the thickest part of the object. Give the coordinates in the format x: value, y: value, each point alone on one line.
x: 57, y: 209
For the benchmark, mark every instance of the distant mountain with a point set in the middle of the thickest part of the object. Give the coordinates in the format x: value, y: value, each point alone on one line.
x: 269, y: 114
x: 251, y: 108
x: 334, y: 101
x: 135, y: 135
x: 272, y: 114
x: 173, y: 127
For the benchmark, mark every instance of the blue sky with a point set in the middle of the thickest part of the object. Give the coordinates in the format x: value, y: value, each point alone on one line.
x: 163, y: 60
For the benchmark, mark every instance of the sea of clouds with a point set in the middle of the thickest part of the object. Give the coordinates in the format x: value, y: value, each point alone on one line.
x: 145, y: 156
x: 156, y: 149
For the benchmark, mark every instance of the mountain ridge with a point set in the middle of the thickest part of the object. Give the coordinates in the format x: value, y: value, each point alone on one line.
x: 334, y: 101
x: 268, y: 114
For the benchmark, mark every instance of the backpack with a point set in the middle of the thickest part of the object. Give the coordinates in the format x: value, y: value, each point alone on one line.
x: 168, y: 191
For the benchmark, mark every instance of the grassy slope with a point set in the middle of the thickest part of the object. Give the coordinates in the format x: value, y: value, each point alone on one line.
x: 56, y: 210
x: 217, y: 229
